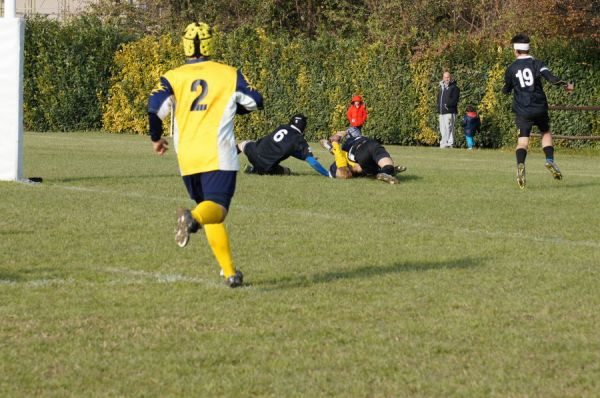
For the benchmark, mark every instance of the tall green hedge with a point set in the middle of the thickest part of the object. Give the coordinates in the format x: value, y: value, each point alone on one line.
x: 137, y: 68
x: 318, y: 77
x: 67, y: 70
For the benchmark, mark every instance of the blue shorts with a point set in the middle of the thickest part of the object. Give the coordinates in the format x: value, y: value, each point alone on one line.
x: 217, y: 186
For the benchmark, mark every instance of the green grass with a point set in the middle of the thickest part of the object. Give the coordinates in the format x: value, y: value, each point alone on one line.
x: 453, y: 283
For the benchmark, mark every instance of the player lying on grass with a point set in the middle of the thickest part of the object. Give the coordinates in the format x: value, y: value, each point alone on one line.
x: 266, y: 154
x: 357, y: 156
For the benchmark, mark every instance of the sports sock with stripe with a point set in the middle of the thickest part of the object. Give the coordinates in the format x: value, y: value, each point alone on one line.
x: 521, y: 155
x: 549, y: 152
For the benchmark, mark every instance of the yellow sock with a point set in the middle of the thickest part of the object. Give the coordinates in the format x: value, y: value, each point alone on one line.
x: 340, y: 159
x: 218, y: 239
x: 208, y: 212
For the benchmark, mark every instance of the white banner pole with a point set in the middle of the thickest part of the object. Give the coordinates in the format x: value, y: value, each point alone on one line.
x: 10, y: 7
x: 12, y: 38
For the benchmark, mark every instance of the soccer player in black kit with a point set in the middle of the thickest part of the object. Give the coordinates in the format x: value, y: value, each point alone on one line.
x: 530, y: 104
x: 287, y: 140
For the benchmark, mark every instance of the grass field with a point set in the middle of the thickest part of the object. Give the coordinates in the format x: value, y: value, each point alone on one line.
x: 453, y: 283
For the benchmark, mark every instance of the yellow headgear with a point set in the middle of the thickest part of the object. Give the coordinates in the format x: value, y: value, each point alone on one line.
x: 197, y: 40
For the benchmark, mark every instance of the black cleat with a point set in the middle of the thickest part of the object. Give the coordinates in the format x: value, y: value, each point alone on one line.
x: 387, y: 178
x: 521, y: 175
x: 553, y: 168
x: 235, y: 280
x: 186, y: 225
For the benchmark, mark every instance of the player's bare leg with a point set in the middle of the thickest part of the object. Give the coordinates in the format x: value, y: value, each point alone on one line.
x: 326, y: 144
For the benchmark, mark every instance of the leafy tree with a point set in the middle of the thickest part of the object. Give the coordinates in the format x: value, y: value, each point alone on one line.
x: 392, y: 21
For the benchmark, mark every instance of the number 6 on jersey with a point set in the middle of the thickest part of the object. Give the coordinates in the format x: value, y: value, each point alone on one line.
x: 279, y: 135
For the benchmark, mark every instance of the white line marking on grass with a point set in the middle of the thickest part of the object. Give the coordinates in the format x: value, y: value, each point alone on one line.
x: 113, y: 192
x: 159, y: 277
x: 308, y: 213
x: 534, y: 168
x: 139, y: 277
x: 39, y: 282
x: 459, y: 159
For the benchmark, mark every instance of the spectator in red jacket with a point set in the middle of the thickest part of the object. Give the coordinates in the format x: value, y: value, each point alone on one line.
x: 357, y: 112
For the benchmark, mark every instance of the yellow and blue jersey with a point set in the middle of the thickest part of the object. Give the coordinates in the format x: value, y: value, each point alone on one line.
x: 342, y: 159
x: 205, y: 97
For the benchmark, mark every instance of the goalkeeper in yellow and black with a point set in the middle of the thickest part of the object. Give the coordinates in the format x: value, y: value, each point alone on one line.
x: 356, y: 156
x: 205, y: 96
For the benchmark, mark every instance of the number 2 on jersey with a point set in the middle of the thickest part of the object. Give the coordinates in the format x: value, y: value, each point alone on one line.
x: 525, y: 77
x: 196, y: 106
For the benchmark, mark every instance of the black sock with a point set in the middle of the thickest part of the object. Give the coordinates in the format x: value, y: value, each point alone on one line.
x: 194, y: 227
x: 549, y: 152
x: 521, y: 155
x: 389, y: 169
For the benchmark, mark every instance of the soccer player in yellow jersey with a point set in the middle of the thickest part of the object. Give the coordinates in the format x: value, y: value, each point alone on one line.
x: 356, y: 156
x: 205, y: 97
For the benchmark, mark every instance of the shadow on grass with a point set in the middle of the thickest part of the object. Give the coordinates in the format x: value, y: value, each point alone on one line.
x: 303, y: 173
x: 10, y: 277
x: 16, y: 232
x: 408, y: 177
x: 580, y: 185
x: 42, y: 274
x: 367, y: 271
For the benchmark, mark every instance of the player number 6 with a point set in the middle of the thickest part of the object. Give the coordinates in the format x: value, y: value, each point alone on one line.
x: 279, y: 135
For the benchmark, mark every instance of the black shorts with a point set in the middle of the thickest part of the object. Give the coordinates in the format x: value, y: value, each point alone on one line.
x: 526, y: 123
x: 367, y: 154
x: 217, y: 186
x: 260, y: 167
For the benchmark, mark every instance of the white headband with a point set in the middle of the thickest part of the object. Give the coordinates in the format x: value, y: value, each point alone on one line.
x: 521, y: 46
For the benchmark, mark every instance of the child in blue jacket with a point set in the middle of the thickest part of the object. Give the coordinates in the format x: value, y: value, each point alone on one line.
x: 471, y: 125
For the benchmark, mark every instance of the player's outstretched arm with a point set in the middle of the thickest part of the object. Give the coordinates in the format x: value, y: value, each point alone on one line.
x: 555, y: 80
x: 314, y: 163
